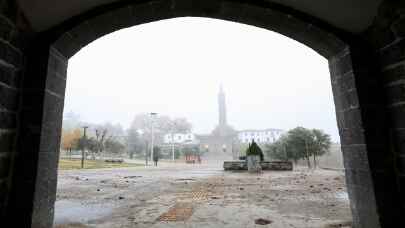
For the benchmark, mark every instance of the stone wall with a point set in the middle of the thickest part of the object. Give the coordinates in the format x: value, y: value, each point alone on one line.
x: 265, y: 165
x: 387, y: 36
x: 38, y: 143
x: 32, y: 79
x: 11, y: 70
x: 361, y: 122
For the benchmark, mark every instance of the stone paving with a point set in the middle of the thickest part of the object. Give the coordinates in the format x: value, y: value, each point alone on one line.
x: 177, y: 195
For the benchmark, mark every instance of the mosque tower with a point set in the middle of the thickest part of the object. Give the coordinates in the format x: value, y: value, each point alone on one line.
x: 222, y: 109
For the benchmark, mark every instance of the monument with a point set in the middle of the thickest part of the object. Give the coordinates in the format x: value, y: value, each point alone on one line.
x: 221, y: 143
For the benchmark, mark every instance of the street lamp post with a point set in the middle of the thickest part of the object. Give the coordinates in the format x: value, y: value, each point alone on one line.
x: 172, y: 147
x: 84, y: 145
x: 152, y: 114
x: 173, y: 127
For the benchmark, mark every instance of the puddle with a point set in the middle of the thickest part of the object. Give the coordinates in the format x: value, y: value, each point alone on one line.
x: 132, y: 177
x: 185, y: 180
x: 342, y: 196
x: 67, y: 212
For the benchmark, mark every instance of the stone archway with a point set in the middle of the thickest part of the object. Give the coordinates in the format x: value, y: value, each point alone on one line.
x: 360, y: 113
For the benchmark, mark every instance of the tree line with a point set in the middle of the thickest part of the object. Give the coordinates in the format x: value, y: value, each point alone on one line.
x: 114, y: 139
x: 300, y: 143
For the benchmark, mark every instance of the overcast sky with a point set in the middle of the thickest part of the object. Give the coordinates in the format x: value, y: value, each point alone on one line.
x: 175, y: 67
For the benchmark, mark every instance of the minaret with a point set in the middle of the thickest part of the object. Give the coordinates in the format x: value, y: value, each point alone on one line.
x: 222, y: 110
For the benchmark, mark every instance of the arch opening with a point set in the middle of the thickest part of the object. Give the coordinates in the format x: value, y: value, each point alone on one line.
x: 87, y: 180
x: 78, y: 32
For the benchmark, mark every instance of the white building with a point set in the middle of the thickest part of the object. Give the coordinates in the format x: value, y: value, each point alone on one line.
x: 260, y: 136
x: 179, y: 138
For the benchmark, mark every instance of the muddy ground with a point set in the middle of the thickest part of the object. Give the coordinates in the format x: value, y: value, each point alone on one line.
x: 201, y: 196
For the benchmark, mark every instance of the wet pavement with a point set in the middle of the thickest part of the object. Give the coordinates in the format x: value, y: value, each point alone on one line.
x: 68, y: 212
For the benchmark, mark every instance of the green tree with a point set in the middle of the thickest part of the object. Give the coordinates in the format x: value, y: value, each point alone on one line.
x: 300, y: 143
x: 113, y: 146
x: 135, y: 145
x: 299, y: 140
x: 254, y: 149
x: 321, y: 144
x: 89, y: 144
x: 279, y: 150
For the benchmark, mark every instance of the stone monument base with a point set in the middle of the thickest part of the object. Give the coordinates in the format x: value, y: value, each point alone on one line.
x: 266, y: 165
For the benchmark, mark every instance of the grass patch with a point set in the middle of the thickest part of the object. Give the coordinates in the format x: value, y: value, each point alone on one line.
x: 67, y: 164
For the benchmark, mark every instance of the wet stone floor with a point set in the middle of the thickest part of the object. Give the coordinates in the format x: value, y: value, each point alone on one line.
x: 180, y: 195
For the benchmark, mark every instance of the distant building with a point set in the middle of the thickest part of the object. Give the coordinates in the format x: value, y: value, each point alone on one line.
x: 223, y: 143
x: 260, y: 136
x: 179, y: 138
x: 220, y: 144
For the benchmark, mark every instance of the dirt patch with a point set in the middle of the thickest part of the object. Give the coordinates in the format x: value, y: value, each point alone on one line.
x: 179, y: 212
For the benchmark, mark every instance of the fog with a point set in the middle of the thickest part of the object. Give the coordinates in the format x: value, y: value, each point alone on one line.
x: 175, y: 67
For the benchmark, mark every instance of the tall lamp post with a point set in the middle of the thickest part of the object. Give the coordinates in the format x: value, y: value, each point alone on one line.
x: 152, y: 114
x: 84, y: 144
x: 173, y: 127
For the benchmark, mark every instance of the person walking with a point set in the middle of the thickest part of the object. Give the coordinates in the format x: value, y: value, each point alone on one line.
x: 156, y: 154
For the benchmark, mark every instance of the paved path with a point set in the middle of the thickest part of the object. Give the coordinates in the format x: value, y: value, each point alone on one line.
x: 179, y: 195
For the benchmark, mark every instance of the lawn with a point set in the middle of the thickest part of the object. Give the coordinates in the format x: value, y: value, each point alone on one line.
x: 66, y: 164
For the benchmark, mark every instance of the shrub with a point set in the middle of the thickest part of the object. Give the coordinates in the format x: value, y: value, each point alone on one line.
x: 254, y: 149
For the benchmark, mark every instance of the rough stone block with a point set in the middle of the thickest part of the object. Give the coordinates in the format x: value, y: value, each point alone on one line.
x: 266, y: 165
x: 123, y: 17
x: 9, y: 98
x: 362, y: 203
x: 82, y: 34
x: 5, y: 29
x: 395, y: 93
x: 4, y: 166
x: 350, y: 136
x: 3, y: 191
x: 235, y: 165
x: 277, y: 165
x: 253, y: 163
x: 8, y: 76
x: 10, y: 55
x: 164, y: 10
x: 347, y: 82
x: 357, y: 177
x: 66, y: 45
x: 8, y: 120
x: 56, y: 84
x: 393, y: 53
x: 196, y: 7
x: 349, y: 100
x: 343, y: 64
x: 9, y: 9
x: 397, y: 114
x: 57, y: 63
x: 399, y: 141
x: 398, y: 27
x: 7, y: 141
x: 394, y: 74
x: 145, y: 12
x: 381, y: 37
x: 401, y: 164
x: 355, y: 157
